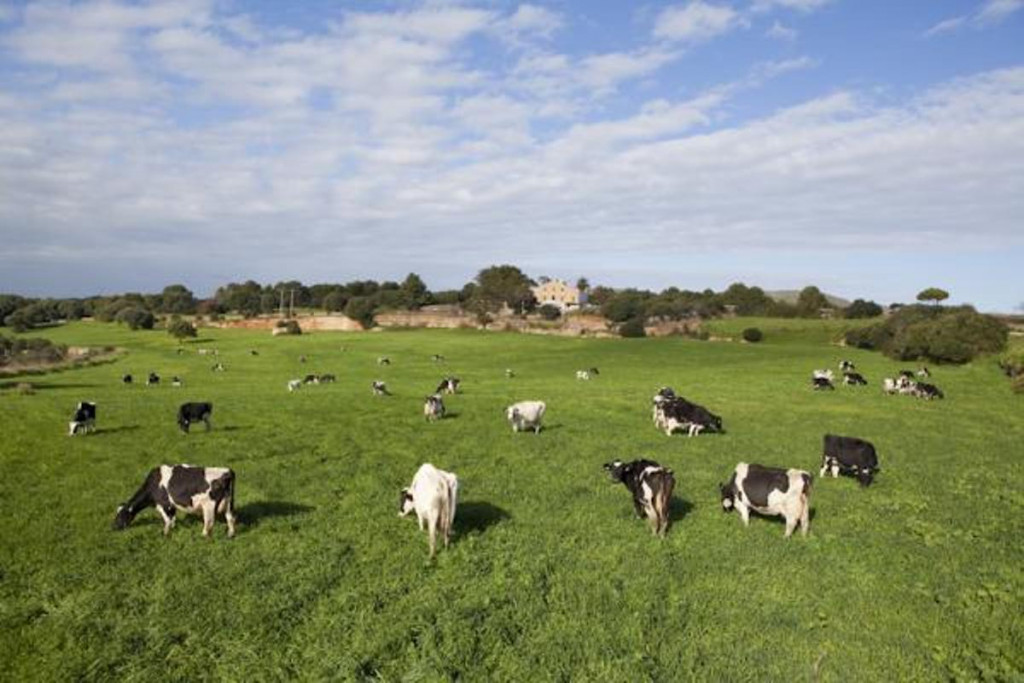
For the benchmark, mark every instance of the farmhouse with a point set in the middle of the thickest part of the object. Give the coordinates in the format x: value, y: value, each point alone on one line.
x: 559, y: 293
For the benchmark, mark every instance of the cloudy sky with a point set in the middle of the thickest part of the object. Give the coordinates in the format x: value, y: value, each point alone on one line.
x: 870, y: 147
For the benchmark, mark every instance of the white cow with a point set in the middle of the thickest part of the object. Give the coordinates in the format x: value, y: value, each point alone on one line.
x: 526, y: 415
x: 294, y: 384
x: 822, y: 374
x: 434, y: 495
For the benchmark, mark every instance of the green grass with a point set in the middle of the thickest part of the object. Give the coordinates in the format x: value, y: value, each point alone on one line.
x: 549, y: 577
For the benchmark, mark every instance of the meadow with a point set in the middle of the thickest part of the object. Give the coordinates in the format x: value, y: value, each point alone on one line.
x: 550, y: 577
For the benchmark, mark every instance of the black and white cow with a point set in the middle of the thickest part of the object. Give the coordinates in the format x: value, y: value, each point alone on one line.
x: 924, y: 372
x: 84, y: 419
x: 194, y: 412
x: 383, y: 360
x: 437, y: 358
x: 927, y: 391
x: 433, y: 408
x: 197, y: 490
x: 177, y: 382
x: 217, y: 367
x: 152, y: 379
x: 849, y: 455
x: 651, y: 486
x: 126, y: 379
x: 769, y: 491
x: 448, y: 385
x: 509, y: 374
x: 380, y: 389
x: 311, y: 379
x: 854, y: 378
x: 327, y: 379
x: 821, y: 383
x: 673, y: 414
x: 846, y: 366
x: 909, y: 374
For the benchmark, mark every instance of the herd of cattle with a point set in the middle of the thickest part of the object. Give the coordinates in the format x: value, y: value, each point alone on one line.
x: 433, y: 493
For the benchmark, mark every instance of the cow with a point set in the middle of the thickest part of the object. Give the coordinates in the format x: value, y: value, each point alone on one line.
x: 203, y: 352
x: 526, y: 415
x: 890, y: 385
x: 126, y: 379
x: 924, y: 372
x: 169, y: 488
x: 906, y: 386
x: 294, y: 384
x: 380, y: 389
x: 846, y: 366
x: 820, y: 383
x: 179, y: 351
x: 587, y: 374
x: 666, y: 392
x: 672, y: 414
x: 927, y: 391
x: 854, y: 378
x: 448, y: 385
x: 437, y: 358
x: 218, y: 367
x: 302, y: 358
x: 509, y: 374
x: 849, y: 455
x: 177, y: 382
x: 327, y: 379
x: 651, y: 486
x: 383, y: 360
x: 311, y: 379
x: 909, y: 374
x: 433, y: 495
x: 84, y: 419
x: 822, y: 374
x: 152, y: 379
x: 433, y: 408
x: 194, y: 412
x: 769, y: 491
x: 253, y: 352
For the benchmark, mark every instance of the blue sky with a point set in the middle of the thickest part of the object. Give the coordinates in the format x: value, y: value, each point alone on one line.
x: 872, y: 148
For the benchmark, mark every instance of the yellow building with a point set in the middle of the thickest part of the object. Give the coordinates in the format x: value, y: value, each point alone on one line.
x: 559, y: 293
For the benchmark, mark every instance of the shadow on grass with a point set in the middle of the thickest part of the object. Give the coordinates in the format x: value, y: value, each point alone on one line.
x: 478, y: 517
x: 43, y: 386
x: 678, y: 509
x: 118, y: 430
x: 233, y: 428
x: 254, y: 513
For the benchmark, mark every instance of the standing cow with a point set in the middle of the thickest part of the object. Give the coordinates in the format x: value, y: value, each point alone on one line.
x: 194, y: 412
x: 651, y: 486
x: 206, y: 490
x: 84, y: 419
x: 769, y: 491
x: 433, y: 408
x: 433, y: 495
x: 849, y: 455
x: 526, y: 415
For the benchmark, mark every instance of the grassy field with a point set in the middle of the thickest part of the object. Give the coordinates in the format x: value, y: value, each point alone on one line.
x: 550, y: 577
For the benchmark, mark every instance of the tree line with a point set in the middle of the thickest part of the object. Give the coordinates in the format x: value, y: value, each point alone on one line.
x: 493, y: 289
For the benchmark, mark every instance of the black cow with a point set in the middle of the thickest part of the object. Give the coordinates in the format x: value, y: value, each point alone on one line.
x: 380, y: 389
x: 907, y: 373
x: 849, y: 455
x: 448, y: 385
x: 651, y: 486
x: 311, y: 379
x: 676, y: 413
x: 769, y: 491
x: 820, y: 383
x: 854, y: 378
x: 927, y: 391
x: 205, y: 490
x: 126, y: 379
x: 84, y: 419
x: 194, y: 412
x: 666, y: 392
x: 152, y: 379
x: 327, y: 379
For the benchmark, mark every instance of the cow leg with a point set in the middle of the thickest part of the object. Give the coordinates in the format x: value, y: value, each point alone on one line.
x: 229, y: 516
x: 805, y: 516
x: 791, y: 521
x: 432, y: 532
x: 168, y: 515
x: 744, y: 511
x: 206, y: 420
x: 824, y: 465
x: 209, y: 511
x: 421, y: 521
x: 835, y: 469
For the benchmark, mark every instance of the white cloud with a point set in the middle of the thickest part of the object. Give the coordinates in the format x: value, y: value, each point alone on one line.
x: 696, y: 21
x: 946, y: 26
x: 990, y: 13
x: 798, y: 5
x: 780, y: 32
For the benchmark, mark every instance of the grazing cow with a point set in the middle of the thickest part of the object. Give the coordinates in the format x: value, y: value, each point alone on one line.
x: 666, y: 392
x: 437, y: 358
x: 327, y: 379
x: 909, y: 374
x: 433, y: 408
x: 205, y: 490
x: 673, y: 414
x: 890, y: 385
x: 854, y: 378
x: 846, y: 366
x: 302, y: 358
x: 819, y: 383
x: 822, y: 374
x: 927, y: 391
x: 383, y: 360
x: 311, y: 379
x: 218, y: 367
x: 509, y: 374
x: 434, y: 495
x: 849, y: 455
x: 526, y: 415
x: 84, y: 419
x: 651, y: 486
x: 253, y: 352
x: 203, y: 352
x: 177, y: 382
x: 194, y: 412
x: 126, y: 379
x: 152, y: 379
x: 582, y: 374
x: 294, y: 384
x: 769, y: 491
x: 380, y: 389
x: 924, y: 372
x: 906, y: 386
x: 448, y: 385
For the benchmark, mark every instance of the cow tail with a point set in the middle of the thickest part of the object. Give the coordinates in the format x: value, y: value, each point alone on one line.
x: 808, y: 479
x: 228, y: 503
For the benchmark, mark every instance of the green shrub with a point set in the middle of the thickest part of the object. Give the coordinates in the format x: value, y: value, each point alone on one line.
x: 933, y: 333
x: 634, y: 327
x: 181, y: 329
x: 549, y: 312
x: 136, y: 318
x: 862, y: 309
x: 753, y: 335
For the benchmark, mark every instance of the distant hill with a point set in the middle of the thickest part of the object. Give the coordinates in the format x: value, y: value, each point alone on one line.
x: 790, y: 296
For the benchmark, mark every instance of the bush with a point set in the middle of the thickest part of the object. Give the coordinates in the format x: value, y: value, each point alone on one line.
x: 549, y: 312
x: 634, y: 327
x: 181, y: 329
x: 933, y: 333
x: 136, y: 318
x: 361, y: 309
x: 753, y: 335
x: 288, y: 327
x: 862, y: 309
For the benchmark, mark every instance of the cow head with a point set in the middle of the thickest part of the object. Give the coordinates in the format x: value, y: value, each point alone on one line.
x: 728, y: 492
x: 615, y: 470
x: 865, y: 476
x: 512, y: 413
x: 405, y: 504
x: 123, y: 517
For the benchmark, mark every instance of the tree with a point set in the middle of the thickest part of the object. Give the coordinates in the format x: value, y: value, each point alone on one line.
x: 361, y: 309
x: 177, y: 299
x: 862, y: 309
x: 933, y: 294
x: 414, y: 291
x: 136, y: 318
x: 335, y: 301
x: 810, y: 302
x: 634, y: 327
x: 582, y: 284
x: 504, y: 284
x: 181, y: 329
x: 549, y: 312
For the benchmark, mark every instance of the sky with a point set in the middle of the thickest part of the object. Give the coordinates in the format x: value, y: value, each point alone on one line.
x: 872, y: 148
